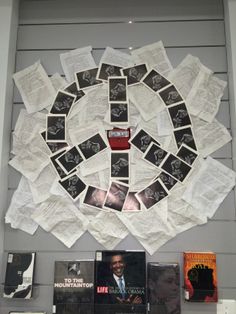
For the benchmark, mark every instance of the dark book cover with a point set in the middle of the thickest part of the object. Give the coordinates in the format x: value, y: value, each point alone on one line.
x: 19, y: 275
x: 200, y: 277
x: 73, y: 287
x: 163, y: 282
x: 120, y: 282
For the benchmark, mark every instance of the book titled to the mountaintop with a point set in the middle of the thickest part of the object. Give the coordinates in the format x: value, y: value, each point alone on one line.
x: 73, y: 287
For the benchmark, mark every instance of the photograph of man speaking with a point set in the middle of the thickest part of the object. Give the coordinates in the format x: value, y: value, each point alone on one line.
x: 120, y: 279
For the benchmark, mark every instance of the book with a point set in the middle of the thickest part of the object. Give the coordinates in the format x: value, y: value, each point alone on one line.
x: 120, y: 282
x: 19, y: 275
x: 163, y: 287
x: 200, y: 277
x: 73, y: 287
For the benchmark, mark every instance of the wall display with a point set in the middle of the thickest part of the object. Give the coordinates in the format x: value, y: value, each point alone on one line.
x: 73, y: 287
x: 163, y: 288
x: 102, y: 139
x: 120, y: 282
x: 200, y: 277
x: 19, y: 275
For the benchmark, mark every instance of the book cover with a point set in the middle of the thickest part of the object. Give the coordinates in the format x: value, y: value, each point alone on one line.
x: 73, y: 287
x: 163, y: 283
x: 200, y: 277
x: 120, y: 282
x: 19, y: 275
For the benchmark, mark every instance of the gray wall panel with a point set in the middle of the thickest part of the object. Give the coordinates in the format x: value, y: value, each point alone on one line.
x: 44, y: 11
x: 209, y: 33
x: 212, y: 57
x: 214, y: 236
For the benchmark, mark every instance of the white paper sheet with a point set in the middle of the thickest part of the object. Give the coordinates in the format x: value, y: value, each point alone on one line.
x: 209, y: 187
x: 58, y: 82
x: 40, y: 188
x: 26, y: 128
x: 35, y: 87
x: 185, y: 74
x: 116, y: 57
x: 142, y: 174
x: 62, y: 218
x: 92, y: 107
x: 149, y: 227
x: 21, y: 207
x: 164, y: 125
x: 107, y: 229
x: 31, y: 159
x: 154, y: 55
x: 147, y: 103
x: 209, y: 137
x: 205, y: 96
x: 77, y: 60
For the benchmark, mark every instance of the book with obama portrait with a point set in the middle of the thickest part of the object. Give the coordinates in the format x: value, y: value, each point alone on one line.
x: 120, y: 282
x: 200, y: 277
x: 73, y: 287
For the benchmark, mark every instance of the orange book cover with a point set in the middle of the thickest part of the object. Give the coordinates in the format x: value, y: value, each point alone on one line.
x: 200, y: 277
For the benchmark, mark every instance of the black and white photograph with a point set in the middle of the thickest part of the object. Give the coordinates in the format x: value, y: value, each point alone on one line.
x: 73, y: 89
x: 141, y: 140
x: 131, y: 203
x: 176, y: 167
x: 170, y: 95
x: 168, y: 181
x: 62, y: 103
x: 95, y: 197
x: 56, y: 128
x: 135, y: 74
x: 185, y: 136
x: 59, y: 171
x: 187, y: 154
x: 123, y: 181
x: 70, y: 159
x: 155, y: 154
x: 116, y: 196
x: 119, y: 166
x: 93, y: 145
x: 152, y: 194
x: 179, y: 115
x: 117, y: 89
x: 119, y: 113
x: 87, y: 78
x: 53, y: 146
x: 155, y: 81
x: 106, y: 70
x: 73, y: 185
